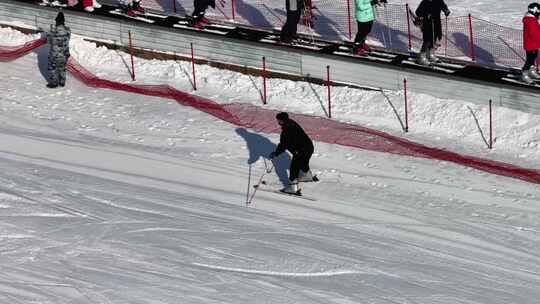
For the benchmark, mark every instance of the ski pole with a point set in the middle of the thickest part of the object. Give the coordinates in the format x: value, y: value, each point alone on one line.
x: 268, y: 169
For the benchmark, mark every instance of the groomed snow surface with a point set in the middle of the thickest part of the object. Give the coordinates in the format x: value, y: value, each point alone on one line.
x: 110, y: 197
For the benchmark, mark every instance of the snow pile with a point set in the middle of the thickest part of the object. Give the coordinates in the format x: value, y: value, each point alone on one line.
x: 12, y: 37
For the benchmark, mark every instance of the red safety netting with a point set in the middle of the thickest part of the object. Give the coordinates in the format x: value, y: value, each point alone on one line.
x: 262, y: 120
x: 9, y: 53
x: 321, y: 129
x: 164, y: 91
x: 492, y: 44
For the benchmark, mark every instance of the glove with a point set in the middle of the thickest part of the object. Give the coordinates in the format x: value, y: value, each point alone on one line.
x: 272, y: 155
x: 446, y: 12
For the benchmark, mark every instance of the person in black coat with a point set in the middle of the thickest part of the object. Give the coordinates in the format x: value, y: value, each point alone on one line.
x: 297, y: 142
x: 200, y: 9
x: 428, y: 16
x: 294, y: 12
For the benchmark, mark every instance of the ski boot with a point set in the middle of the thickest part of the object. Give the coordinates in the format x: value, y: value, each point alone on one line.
x: 422, y: 59
x: 526, y: 77
x: 366, y: 47
x: 306, y: 177
x: 136, y: 6
x: 533, y: 73
x: 292, y: 188
x: 432, y: 57
x: 359, y: 50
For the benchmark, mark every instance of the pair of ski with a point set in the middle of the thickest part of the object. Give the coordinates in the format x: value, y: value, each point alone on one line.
x: 516, y: 78
x: 141, y: 16
x: 260, y: 187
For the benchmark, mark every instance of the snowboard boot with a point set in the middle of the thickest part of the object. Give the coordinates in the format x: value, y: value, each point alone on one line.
x: 292, y: 188
x: 306, y: 177
x: 422, y: 59
x: 526, y: 77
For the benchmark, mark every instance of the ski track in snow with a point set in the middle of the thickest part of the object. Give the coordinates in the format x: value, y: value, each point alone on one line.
x: 140, y: 200
x: 281, y: 274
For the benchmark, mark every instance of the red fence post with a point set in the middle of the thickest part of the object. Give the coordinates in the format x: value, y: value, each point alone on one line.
x: 264, y: 80
x: 193, y: 67
x: 328, y: 86
x: 350, y: 20
x: 490, y: 125
x: 233, y: 9
x: 473, y: 55
x: 406, y: 105
x: 409, y: 26
x: 131, y: 53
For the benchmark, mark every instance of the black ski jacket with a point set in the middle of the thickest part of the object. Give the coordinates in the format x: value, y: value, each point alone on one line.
x: 294, y: 5
x: 430, y: 13
x: 432, y: 9
x: 205, y: 3
x: 294, y: 139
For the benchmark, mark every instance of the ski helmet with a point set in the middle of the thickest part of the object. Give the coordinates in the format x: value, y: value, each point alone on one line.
x: 534, y: 8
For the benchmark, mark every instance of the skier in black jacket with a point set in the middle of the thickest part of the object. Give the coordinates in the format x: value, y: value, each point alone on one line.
x: 429, y: 19
x: 295, y: 140
x: 294, y: 12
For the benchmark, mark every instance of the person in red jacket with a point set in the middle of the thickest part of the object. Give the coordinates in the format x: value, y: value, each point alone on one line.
x: 531, y: 42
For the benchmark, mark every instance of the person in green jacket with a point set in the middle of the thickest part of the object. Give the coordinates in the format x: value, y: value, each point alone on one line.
x: 365, y: 16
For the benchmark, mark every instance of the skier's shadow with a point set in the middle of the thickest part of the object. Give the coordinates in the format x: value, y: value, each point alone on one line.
x: 43, y: 60
x: 260, y: 147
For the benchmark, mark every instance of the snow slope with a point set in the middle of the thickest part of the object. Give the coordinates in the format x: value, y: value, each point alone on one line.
x: 109, y: 197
